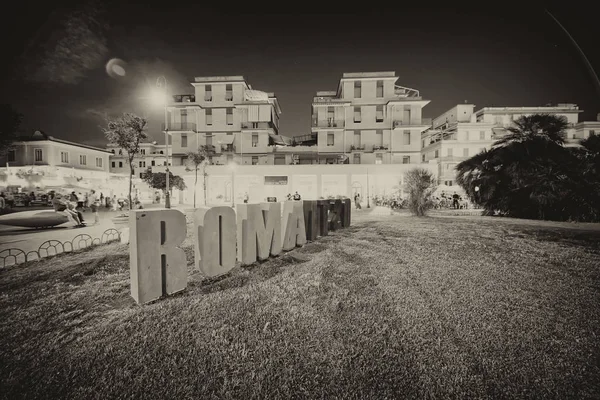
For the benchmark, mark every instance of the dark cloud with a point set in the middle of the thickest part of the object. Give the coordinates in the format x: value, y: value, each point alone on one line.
x: 68, y: 47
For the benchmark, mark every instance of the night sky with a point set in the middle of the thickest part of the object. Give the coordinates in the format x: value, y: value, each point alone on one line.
x: 487, y: 54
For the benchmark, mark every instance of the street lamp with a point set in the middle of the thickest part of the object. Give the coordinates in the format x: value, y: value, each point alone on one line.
x: 159, y: 84
x: 232, y: 168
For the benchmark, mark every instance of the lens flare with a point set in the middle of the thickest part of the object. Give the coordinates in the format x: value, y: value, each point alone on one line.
x: 115, y: 68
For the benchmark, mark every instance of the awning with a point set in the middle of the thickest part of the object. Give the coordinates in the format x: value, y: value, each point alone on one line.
x: 226, y: 139
x: 279, y: 140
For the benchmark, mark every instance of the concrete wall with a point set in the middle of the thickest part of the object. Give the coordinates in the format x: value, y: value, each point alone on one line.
x: 311, y: 181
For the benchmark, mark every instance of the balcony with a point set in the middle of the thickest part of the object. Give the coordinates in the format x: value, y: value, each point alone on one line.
x: 227, y: 148
x: 180, y: 127
x: 404, y: 92
x: 381, y: 148
x: 258, y: 125
x: 424, y: 121
x: 184, y: 98
x: 357, y: 148
x: 329, y: 123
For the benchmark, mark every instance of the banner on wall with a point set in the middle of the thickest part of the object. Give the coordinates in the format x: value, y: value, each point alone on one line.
x: 276, y: 180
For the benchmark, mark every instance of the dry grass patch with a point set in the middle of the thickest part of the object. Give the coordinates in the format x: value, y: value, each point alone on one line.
x: 393, y: 307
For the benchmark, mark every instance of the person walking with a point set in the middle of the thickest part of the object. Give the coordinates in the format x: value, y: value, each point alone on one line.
x: 455, y: 198
x: 357, y: 201
x: 94, y: 203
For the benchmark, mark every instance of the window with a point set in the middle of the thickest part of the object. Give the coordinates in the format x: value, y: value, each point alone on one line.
x: 379, y: 114
x: 112, y: 164
x: 121, y: 164
x: 230, y: 116
x: 357, y: 90
x: 209, y: 117
x: 120, y: 152
x: 330, y: 114
x: 482, y: 135
x: 423, y: 157
x: 38, y: 154
x: 467, y: 135
x: 153, y: 163
x: 184, y: 141
x: 279, y: 160
x: 330, y: 139
x: 356, y: 158
x: 357, y: 114
x: 229, y: 92
x: 142, y: 175
x: 406, y: 160
x: 64, y: 157
x: 465, y: 152
x: 141, y: 166
x: 450, y: 152
x: 379, y: 89
x: 423, y: 144
x: 98, y: 162
x: 437, y: 154
x: 208, y: 93
x: 255, y: 140
x: 379, y: 158
x: 254, y: 160
x: 143, y: 151
x: 184, y: 119
x: 407, y: 138
x: 82, y: 159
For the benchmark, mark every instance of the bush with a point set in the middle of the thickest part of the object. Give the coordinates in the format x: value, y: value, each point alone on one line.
x: 420, y: 184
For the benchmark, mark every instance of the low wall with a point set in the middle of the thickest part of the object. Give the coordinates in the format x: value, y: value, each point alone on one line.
x: 312, y: 182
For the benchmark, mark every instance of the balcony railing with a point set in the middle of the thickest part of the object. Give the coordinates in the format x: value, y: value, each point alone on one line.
x: 184, y: 98
x: 258, y: 125
x: 424, y: 121
x: 381, y: 148
x: 357, y: 148
x: 180, y: 126
x: 228, y: 148
x: 329, y: 123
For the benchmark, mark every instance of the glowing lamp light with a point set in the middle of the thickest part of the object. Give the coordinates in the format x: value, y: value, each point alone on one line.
x: 115, y: 68
x: 477, y: 188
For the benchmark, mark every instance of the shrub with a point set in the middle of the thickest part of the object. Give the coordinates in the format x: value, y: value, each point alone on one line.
x: 420, y: 185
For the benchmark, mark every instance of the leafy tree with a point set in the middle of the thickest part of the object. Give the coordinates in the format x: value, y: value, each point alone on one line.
x: 127, y: 132
x: 10, y: 120
x: 199, y: 159
x: 158, y: 180
x: 420, y: 184
x: 530, y: 174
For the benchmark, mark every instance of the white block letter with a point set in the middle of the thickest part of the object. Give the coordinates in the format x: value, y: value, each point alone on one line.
x: 157, y: 266
x: 216, y: 240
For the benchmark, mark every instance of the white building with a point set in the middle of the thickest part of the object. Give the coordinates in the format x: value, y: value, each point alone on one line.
x: 150, y: 155
x: 460, y: 133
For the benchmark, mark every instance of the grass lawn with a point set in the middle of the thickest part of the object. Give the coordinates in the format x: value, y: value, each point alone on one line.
x: 392, y: 307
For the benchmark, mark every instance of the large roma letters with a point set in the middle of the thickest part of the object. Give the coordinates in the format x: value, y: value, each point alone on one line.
x: 215, y: 241
x: 292, y: 225
x: 157, y: 266
x: 311, y: 219
x: 259, y: 231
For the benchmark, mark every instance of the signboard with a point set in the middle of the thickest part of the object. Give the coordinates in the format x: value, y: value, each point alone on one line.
x: 276, y: 180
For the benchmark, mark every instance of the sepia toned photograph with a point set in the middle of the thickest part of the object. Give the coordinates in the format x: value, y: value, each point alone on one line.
x: 300, y: 200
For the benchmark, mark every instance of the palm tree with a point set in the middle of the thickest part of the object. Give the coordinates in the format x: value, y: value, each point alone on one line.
x: 199, y: 158
x: 549, y: 128
x: 528, y: 173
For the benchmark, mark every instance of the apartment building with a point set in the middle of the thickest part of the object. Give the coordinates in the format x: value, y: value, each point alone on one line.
x: 150, y: 155
x: 460, y: 133
x: 225, y: 112
x: 40, y: 149
x: 367, y: 120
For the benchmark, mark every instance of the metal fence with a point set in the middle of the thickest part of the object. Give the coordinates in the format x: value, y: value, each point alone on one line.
x: 52, y: 247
